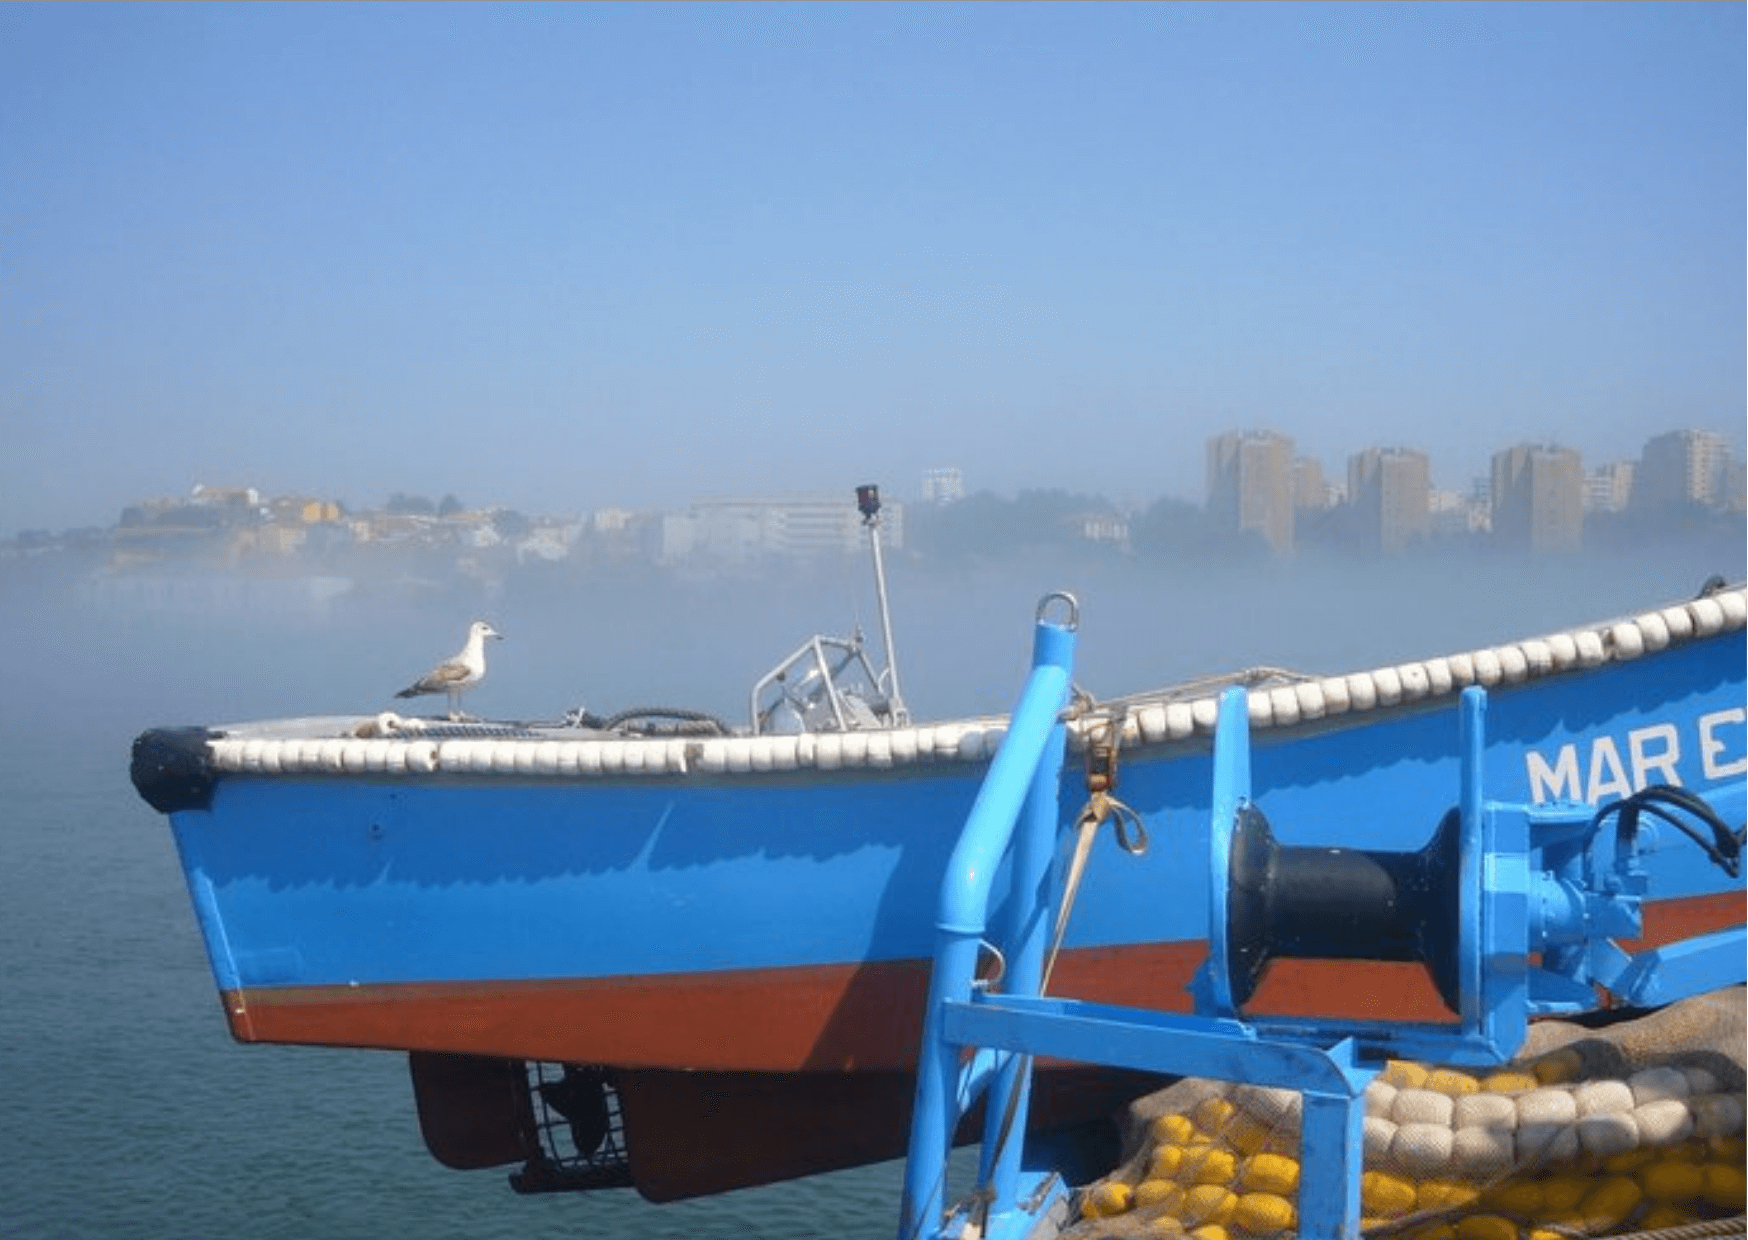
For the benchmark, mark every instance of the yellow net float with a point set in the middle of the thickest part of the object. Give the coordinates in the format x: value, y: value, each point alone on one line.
x: 1533, y: 1153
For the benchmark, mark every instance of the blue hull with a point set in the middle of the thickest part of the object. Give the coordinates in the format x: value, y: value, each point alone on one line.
x: 722, y: 905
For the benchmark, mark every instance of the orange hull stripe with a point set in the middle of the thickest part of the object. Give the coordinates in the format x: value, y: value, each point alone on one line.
x: 827, y: 1018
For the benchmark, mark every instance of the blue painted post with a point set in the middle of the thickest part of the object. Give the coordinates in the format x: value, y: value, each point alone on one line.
x: 1212, y: 986
x: 1332, y: 1145
x: 1471, y: 806
x: 1034, y: 732
x: 1032, y: 907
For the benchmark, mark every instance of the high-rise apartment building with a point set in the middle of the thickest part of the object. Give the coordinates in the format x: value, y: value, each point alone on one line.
x: 1608, y: 488
x: 1735, y: 497
x: 1389, y: 492
x: 1310, y: 491
x: 1681, y: 468
x: 1250, y: 485
x: 1538, y: 497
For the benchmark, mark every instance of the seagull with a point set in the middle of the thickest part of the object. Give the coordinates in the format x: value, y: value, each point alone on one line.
x: 456, y: 675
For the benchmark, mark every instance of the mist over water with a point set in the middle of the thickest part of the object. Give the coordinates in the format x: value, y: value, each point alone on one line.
x: 131, y: 1113
x: 963, y: 637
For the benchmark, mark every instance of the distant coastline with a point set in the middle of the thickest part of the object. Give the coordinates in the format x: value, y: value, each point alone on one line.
x: 289, y: 539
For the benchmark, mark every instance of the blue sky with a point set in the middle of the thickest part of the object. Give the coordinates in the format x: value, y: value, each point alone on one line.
x: 564, y: 257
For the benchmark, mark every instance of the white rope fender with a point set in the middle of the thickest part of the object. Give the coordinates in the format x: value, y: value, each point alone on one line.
x: 391, y: 745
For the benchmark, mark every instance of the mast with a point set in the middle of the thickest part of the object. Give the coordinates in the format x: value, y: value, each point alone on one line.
x: 868, y: 502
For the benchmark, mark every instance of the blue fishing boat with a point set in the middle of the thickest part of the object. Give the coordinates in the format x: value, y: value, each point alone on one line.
x: 670, y: 935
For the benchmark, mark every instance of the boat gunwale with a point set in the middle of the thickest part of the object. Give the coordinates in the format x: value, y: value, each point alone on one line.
x: 1176, y: 717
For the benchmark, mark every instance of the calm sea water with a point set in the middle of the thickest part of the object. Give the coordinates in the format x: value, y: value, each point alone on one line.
x: 127, y: 1111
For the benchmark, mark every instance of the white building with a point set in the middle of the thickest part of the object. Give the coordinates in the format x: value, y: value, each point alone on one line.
x: 739, y: 532
x: 943, y: 486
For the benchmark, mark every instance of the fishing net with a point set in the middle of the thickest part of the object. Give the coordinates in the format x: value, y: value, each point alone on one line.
x: 1633, y: 1127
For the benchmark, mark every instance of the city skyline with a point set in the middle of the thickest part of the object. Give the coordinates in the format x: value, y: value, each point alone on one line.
x: 961, y: 481
x: 1538, y: 496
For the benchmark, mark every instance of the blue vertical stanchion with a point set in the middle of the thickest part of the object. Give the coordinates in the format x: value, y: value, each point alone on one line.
x: 1021, y: 784
x: 1031, y: 914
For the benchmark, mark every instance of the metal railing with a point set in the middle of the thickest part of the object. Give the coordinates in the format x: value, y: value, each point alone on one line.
x: 1014, y: 817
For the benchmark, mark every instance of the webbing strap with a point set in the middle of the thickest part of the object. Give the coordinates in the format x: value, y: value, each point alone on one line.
x: 1104, y: 738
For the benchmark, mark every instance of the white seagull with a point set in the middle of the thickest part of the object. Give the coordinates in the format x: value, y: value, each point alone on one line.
x: 456, y: 675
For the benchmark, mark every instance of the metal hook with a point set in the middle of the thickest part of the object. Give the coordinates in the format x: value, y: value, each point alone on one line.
x: 1064, y: 597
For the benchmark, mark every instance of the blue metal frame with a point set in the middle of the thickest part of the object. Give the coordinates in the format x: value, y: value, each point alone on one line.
x: 1493, y: 930
x: 1530, y: 881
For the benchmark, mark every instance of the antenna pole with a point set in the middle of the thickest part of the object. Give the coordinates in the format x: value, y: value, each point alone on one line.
x: 868, y: 502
